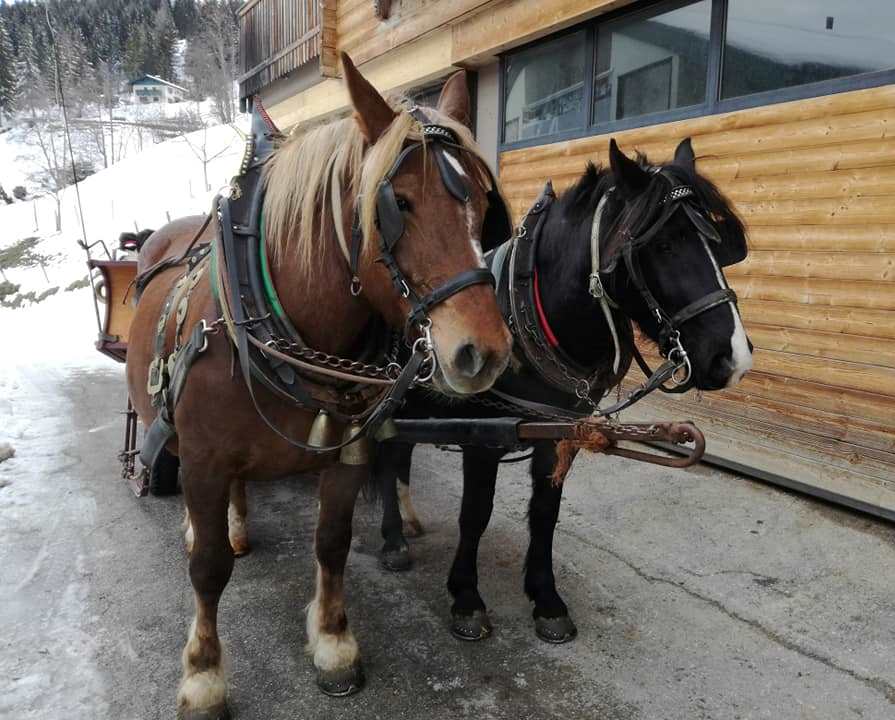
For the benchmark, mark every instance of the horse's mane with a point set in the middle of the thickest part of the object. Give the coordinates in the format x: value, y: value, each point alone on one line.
x: 581, y: 199
x: 298, y: 178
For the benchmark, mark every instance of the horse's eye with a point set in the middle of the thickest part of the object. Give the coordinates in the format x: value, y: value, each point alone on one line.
x: 403, y: 203
x: 664, y: 247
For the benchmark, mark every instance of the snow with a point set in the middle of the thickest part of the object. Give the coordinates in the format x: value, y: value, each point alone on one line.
x: 145, y: 190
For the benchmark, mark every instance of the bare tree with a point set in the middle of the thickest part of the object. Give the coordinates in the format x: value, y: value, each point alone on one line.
x: 212, y: 57
x: 199, y: 145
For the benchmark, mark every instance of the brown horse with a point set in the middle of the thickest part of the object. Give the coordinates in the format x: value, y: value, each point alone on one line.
x: 314, y: 182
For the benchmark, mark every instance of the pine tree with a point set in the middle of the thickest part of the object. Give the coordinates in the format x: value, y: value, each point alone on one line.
x: 134, y: 53
x: 164, y: 34
x: 32, y: 92
x: 8, y: 78
x: 186, y: 17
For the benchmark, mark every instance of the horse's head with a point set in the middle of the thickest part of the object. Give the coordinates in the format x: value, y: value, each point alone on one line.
x: 424, y: 192
x: 673, y: 233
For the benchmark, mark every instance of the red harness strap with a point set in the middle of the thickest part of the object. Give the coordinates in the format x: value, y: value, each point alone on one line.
x: 542, y: 316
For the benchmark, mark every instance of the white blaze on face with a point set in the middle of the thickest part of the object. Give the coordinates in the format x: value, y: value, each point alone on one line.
x: 471, y: 227
x: 740, y: 355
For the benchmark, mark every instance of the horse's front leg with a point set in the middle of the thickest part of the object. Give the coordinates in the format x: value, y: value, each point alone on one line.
x: 393, y: 463
x: 552, y: 621
x: 203, y: 690
x: 330, y: 640
x: 470, y: 617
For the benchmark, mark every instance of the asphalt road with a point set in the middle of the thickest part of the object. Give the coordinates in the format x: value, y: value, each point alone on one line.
x: 697, y: 594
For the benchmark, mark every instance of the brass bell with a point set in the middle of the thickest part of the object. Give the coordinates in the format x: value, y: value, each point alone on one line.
x: 386, y: 431
x: 323, y: 430
x: 358, y: 452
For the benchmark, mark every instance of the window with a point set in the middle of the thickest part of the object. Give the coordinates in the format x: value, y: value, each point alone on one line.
x: 772, y: 45
x: 544, y: 89
x: 679, y: 59
x: 651, y: 64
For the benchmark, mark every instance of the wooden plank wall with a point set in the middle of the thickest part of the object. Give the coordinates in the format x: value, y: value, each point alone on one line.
x: 815, y: 182
x: 364, y: 36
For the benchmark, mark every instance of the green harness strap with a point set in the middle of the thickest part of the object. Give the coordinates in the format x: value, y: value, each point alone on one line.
x: 269, y: 288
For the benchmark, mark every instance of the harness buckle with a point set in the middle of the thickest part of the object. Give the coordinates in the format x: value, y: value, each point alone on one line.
x: 156, y: 377
x: 596, y: 288
x: 356, y: 286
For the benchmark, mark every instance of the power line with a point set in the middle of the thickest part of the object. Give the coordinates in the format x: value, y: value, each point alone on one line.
x: 71, y: 154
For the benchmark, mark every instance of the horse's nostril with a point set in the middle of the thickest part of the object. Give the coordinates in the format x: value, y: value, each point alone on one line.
x: 469, y: 361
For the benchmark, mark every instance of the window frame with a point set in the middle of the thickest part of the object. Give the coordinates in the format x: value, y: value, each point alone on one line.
x: 712, y: 105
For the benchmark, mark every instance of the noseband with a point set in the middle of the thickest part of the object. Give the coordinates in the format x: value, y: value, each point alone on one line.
x: 391, y: 226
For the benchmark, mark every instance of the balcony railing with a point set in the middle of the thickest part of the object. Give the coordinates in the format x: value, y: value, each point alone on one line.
x: 275, y: 38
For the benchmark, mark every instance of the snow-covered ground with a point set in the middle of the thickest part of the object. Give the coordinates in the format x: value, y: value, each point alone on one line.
x: 144, y: 190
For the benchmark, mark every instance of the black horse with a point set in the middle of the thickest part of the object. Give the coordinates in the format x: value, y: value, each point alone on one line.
x: 659, y: 268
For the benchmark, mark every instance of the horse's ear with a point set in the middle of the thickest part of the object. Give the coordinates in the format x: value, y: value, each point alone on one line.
x: 454, y: 99
x: 630, y: 178
x: 371, y: 111
x: 684, y: 156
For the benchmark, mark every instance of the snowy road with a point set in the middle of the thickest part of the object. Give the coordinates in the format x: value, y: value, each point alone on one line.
x: 697, y: 595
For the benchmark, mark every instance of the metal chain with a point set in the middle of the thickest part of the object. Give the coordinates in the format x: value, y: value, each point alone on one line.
x: 581, y: 386
x: 390, y: 371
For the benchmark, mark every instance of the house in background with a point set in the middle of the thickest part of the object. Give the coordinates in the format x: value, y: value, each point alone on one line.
x: 152, y: 89
x: 790, y: 108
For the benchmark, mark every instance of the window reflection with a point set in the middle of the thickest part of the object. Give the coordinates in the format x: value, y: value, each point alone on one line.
x: 545, y: 89
x: 653, y: 64
x: 772, y: 45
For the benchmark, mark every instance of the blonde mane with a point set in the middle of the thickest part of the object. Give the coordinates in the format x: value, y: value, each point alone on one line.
x: 298, y: 179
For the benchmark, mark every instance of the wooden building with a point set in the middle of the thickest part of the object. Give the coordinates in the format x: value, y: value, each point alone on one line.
x: 791, y: 107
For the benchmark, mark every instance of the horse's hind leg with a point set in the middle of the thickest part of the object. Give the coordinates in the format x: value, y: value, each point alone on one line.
x: 391, y: 459
x: 412, y: 526
x: 203, y: 689
x: 236, y: 518
x: 330, y: 640
x: 237, y: 511
x: 552, y: 621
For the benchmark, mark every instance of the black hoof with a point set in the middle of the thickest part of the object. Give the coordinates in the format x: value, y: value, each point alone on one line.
x: 341, y: 682
x: 218, y: 712
x: 397, y: 560
x: 472, y: 627
x: 557, y: 630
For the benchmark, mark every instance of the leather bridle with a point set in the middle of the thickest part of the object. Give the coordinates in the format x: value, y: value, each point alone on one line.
x: 391, y: 225
x: 679, y: 197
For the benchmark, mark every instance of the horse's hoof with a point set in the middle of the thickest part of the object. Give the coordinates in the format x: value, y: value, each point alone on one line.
x: 472, y: 627
x: 556, y: 630
x: 240, y: 547
x: 397, y: 560
x: 218, y: 712
x: 413, y: 528
x: 341, y: 682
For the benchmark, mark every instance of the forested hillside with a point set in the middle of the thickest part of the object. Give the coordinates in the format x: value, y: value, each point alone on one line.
x: 100, y: 44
